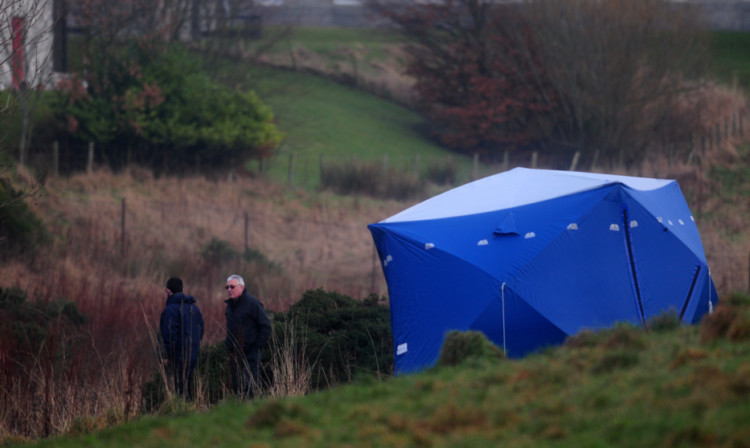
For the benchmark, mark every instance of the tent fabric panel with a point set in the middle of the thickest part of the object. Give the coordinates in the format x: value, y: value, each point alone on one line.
x: 668, y: 207
x: 583, y: 278
x: 703, y: 301
x: 430, y: 293
x: 665, y: 266
x: 514, y: 188
x: 516, y: 327
x: 473, y: 238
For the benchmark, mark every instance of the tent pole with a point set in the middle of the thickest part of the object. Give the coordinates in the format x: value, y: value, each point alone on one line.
x: 502, y: 289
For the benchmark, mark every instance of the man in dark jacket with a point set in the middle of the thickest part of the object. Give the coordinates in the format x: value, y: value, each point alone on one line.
x: 182, y: 329
x: 248, y: 330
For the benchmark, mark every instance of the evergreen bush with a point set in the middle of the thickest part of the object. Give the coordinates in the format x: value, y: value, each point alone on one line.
x: 343, y: 336
x: 462, y: 346
x: 157, y: 107
x: 31, y: 331
x: 20, y: 229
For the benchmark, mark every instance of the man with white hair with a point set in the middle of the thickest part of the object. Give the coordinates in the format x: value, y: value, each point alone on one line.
x: 248, y: 330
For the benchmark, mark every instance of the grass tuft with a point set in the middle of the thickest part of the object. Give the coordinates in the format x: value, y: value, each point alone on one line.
x: 460, y: 347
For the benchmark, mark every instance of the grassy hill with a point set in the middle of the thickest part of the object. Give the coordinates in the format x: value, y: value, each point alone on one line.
x: 670, y: 386
x: 322, y: 118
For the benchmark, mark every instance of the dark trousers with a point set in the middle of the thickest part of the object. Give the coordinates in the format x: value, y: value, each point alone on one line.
x: 181, y: 373
x: 244, y: 370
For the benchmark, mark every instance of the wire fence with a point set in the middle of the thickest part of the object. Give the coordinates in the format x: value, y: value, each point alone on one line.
x: 251, y: 225
x: 305, y: 170
x: 317, y: 251
x: 313, y: 251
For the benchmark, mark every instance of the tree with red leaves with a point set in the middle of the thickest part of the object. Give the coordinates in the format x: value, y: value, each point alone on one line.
x: 606, y: 79
x: 471, y: 81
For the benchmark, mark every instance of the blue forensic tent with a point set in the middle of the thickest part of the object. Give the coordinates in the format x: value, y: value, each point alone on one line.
x: 530, y: 257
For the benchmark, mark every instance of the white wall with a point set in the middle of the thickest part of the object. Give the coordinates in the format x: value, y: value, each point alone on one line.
x: 37, y: 40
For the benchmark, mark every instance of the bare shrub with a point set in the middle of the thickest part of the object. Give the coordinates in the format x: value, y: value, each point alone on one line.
x: 716, y: 325
x: 370, y: 179
x: 442, y: 172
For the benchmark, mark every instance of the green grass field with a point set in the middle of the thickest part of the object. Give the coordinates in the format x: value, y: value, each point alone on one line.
x: 731, y: 53
x: 322, y: 118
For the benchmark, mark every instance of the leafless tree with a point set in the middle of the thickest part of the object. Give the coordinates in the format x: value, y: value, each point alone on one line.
x: 235, y: 29
x: 619, y: 71
x: 605, y: 78
x: 25, y: 60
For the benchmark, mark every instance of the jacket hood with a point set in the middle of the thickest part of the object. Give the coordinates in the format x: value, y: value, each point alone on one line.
x: 180, y: 298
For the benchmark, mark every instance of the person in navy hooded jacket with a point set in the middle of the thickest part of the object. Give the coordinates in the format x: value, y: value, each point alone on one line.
x: 182, y: 329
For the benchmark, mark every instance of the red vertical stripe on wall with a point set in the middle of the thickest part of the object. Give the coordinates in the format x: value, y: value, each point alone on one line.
x: 17, y: 59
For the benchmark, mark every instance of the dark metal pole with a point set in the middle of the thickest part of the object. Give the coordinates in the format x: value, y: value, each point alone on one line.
x: 122, y: 229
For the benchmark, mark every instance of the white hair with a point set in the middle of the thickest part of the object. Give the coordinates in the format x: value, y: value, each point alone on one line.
x: 240, y: 280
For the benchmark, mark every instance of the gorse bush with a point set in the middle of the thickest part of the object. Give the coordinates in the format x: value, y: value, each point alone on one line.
x: 30, y: 330
x: 217, y: 252
x: 467, y: 346
x: 342, y: 337
x: 20, y: 228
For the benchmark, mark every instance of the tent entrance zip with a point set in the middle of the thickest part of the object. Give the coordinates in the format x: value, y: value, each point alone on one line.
x: 626, y: 226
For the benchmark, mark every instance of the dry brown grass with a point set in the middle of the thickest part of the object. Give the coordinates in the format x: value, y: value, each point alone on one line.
x: 384, y: 76
x: 319, y: 241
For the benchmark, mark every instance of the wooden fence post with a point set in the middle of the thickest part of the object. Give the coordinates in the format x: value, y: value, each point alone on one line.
x: 247, y: 225
x: 374, y: 267
x: 90, y: 163
x: 574, y: 162
x: 122, y: 230
x: 741, y: 117
x: 595, y: 161
x: 291, y: 170
x: 385, y: 169
x: 56, y: 158
x: 321, y: 168
x: 718, y: 135
x: 506, y: 160
x: 534, y: 158
x: 726, y: 128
